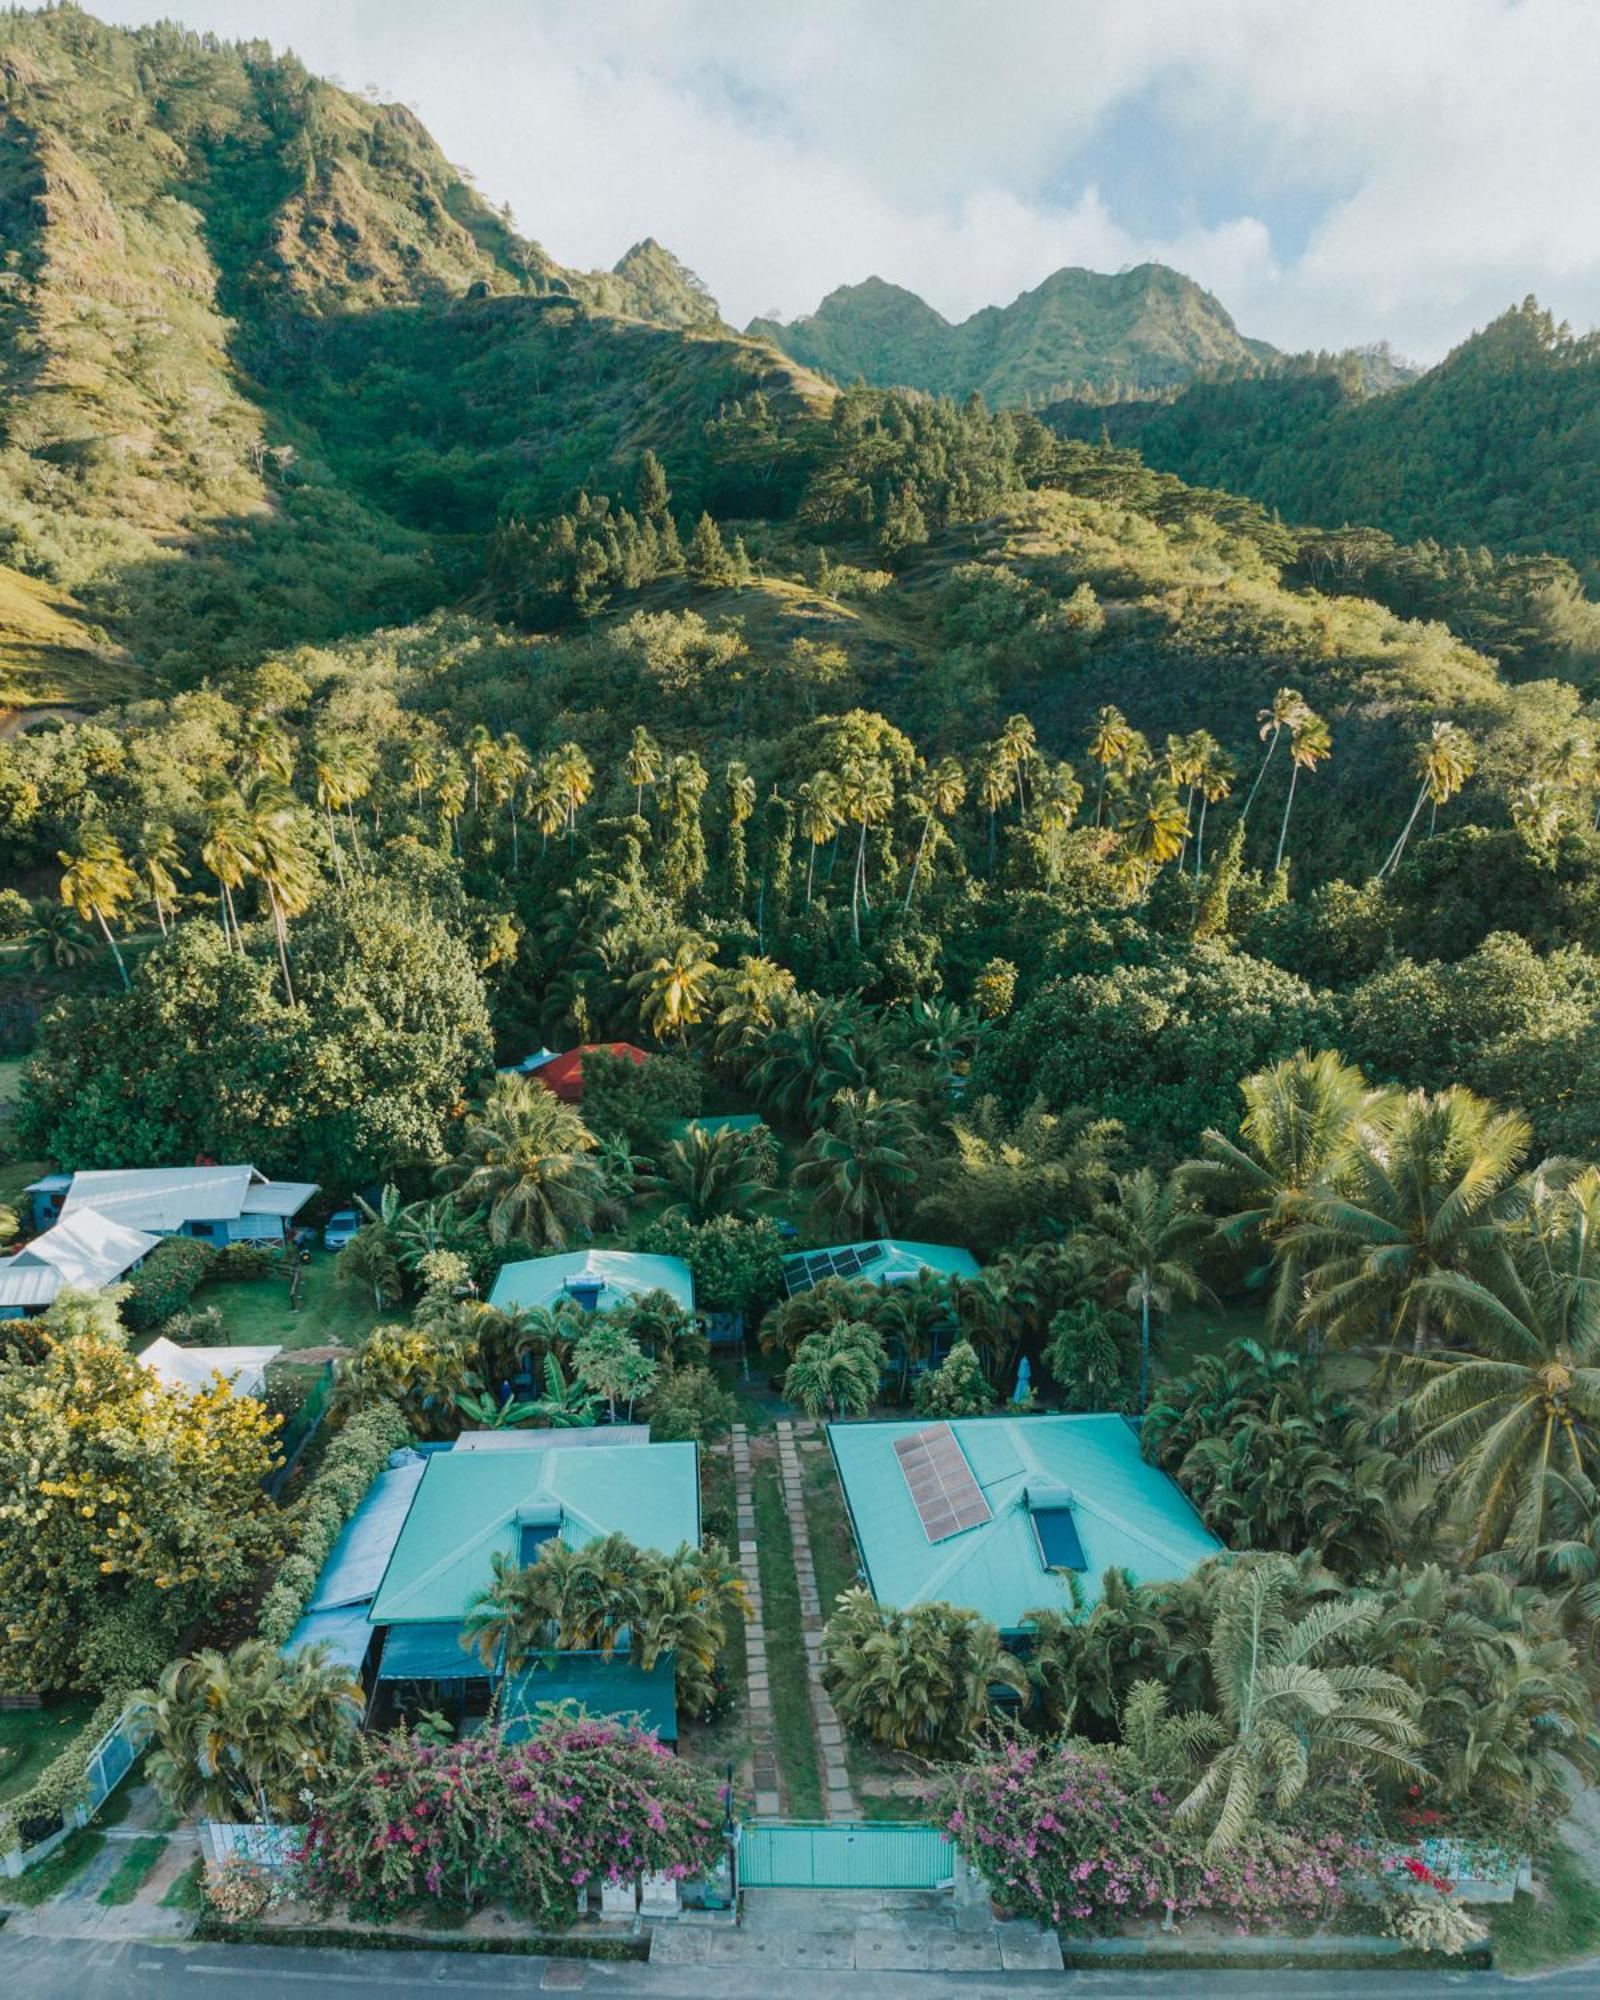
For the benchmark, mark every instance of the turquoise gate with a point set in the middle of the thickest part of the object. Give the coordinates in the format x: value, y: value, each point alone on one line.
x: 877, y: 1854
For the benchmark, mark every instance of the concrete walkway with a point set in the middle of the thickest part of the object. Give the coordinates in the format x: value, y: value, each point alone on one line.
x: 839, y: 1800
x: 763, y: 1735
x: 859, y: 1930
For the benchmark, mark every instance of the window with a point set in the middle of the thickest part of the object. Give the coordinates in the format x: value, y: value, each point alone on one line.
x: 532, y: 1536
x: 586, y: 1292
x: 202, y: 1229
x: 1060, y: 1546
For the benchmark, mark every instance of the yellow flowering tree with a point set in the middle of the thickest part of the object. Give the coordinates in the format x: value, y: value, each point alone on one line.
x: 125, y: 1505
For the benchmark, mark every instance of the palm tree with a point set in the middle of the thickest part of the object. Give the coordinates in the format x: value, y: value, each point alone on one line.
x: 268, y: 752
x: 820, y: 819
x: 529, y: 1158
x: 860, y: 1159
x: 369, y: 1259
x: 1059, y: 798
x: 1281, y: 1706
x: 450, y: 789
x: 1419, y: 1196
x: 675, y: 988
x: 574, y: 781
x: 159, y: 862
x: 1518, y: 1398
x: 230, y: 851
x: 943, y: 789
x: 1309, y: 745
x: 56, y: 941
x: 714, y: 1173
x: 1108, y: 744
x: 866, y: 797
x: 545, y: 800
x: 1300, y: 1125
x: 642, y: 765
x: 478, y: 748
x: 1146, y: 1243
x: 993, y: 789
x: 340, y: 782
x: 277, y: 828
x: 741, y: 790
x: 1017, y: 748
x: 1217, y: 775
x: 1152, y: 827
x: 750, y: 1002
x: 923, y: 1679
x: 508, y: 774
x: 1443, y: 763
x: 241, y: 1734
x: 98, y: 884
x: 1283, y: 712
x: 837, y: 1371
x: 421, y: 764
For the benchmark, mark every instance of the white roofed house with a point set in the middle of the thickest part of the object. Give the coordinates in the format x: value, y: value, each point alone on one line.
x: 218, y: 1205
x: 244, y: 1369
x: 81, y: 1253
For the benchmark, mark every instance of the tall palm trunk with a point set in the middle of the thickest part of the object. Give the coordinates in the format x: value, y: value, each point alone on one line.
x: 811, y: 865
x: 1144, y: 1353
x: 1288, y: 807
x: 855, y: 884
x: 916, y: 865
x: 1100, y: 796
x: 1399, y: 847
x: 333, y: 842
x: 105, y: 929
x: 1188, y: 823
x: 1266, y: 760
x: 1200, y: 838
x: 280, y: 926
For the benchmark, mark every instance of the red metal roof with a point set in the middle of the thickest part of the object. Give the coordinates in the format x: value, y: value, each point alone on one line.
x: 564, y: 1076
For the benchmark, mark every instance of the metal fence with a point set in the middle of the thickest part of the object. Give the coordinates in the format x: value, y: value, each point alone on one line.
x: 105, y: 1767
x: 270, y: 1847
x: 301, y: 1428
x: 881, y: 1854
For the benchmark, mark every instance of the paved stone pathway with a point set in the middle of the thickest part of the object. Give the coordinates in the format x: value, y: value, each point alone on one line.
x: 839, y: 1801
x: 763, y: 1736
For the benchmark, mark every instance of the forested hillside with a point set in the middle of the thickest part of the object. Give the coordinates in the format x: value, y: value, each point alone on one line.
x: 1080, y: 332
x: 1499, y: 445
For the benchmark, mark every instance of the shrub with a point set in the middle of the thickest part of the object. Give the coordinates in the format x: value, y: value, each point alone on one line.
x: 956, y: 1388
x: 197, y: 1326
x: 527, y: 1823
x: 166, y: 1282
x: 689, y: 1405
x: 737, y: 1265
x: 241, y: 1889
x: 352, y: 1461
x: 246, y: 1263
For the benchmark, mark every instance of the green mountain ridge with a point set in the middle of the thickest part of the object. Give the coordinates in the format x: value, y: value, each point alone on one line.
x: 1081, y: 331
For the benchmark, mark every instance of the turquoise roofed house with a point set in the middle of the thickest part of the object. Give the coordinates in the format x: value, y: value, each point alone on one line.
x: 393, y: 1596
x: 889, y: 1261
x: 592, y: 1279
x: 1000, y: 1515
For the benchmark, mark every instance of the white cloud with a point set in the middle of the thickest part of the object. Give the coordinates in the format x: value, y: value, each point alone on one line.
x: 1442, y: 149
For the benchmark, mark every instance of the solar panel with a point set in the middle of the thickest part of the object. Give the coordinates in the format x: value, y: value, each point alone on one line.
x: 947, y: 1498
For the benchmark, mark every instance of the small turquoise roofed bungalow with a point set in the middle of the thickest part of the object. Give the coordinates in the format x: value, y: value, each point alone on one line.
x: 1005, y: 1516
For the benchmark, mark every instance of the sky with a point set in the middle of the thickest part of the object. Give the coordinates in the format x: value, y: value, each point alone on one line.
x: 1336, y: 174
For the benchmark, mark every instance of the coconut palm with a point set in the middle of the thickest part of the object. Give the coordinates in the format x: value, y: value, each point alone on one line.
x: 1146, y: 1243
x: 159, y: 863
x: 1058, y: 799
x: 675, y: 988
x: 1310, y: 744
x: 231, y: 851
x: 240, y: 1735
x: 55, y: 940
x: 820, y: 819
x: 993, y: 788
x: 529, y: 1159
x: 278, y: 832
x: 369, y: 1259
x: 866, y: 798
x: 741, y: 795
x: 420, y: 761
x: 342, y: 777
x: 942, y: 791
x: 574, y: 781
x: 1018, y: 749
x: 750, y: 1002
x: 860, y: 1159
x: 1152, y: 827
x: 97, y: 883
x: 837, y: 1371
x: 1517, y: 1398
x: 1108, y: 744
x: 1419, y: 1195
x: 642, y: 765
x: 507, y: 778
x: 1443, y: 763
x: 1284, y: 1703
x: 1300, y: 1123
x: 1282, y: 712
x: 1217, y: 774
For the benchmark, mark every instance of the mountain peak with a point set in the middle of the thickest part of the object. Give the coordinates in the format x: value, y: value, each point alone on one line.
x: 649, y: 282
x: 1146, y: 328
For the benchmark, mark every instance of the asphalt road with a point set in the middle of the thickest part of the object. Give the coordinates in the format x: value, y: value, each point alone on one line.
x: 58, y: 1969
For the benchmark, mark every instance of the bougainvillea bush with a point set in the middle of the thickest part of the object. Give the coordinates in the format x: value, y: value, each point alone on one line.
x: 527, y: 1823
x: 1059, y: 1834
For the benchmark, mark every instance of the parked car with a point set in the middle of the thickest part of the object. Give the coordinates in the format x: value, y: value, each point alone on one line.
x: 342, y: 1225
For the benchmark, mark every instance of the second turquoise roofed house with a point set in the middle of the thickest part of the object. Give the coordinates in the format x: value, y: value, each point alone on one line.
x: 1010, y: 1515
x: 592, y: 1279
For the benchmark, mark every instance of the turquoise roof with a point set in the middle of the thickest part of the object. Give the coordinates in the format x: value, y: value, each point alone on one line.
x: 620, y: 1274
x: 884, y: 1260
x: 618, y: 1686
x: 468, y: 1504
x: 731, y: 1121
x: 1128, y: 1514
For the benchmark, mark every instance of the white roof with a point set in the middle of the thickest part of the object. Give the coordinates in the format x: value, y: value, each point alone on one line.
x: 83, y: 1252
x: 194, y: 1367
x: 165, y: 1198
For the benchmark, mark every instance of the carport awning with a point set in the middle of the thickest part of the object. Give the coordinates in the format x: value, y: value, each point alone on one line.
x: 428, y: 1653
x: 343, y: 1630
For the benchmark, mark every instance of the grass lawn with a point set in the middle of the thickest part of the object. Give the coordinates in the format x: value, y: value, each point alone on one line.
x: 786, y: 1653
x: 727, y: 1740
x: 257, y: 1312
x: 1533, y: 1932
x: 39, y: 1735
x: 833, y: 1555
x: 133, y: 1870
x: 185, y: 1893
x: 15, y: 1176
x: 49, y: 1877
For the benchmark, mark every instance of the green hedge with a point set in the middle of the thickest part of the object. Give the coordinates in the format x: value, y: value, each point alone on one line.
x: 165, y: 1283
x: 63, y: 1783
x: 351, y: 1463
